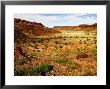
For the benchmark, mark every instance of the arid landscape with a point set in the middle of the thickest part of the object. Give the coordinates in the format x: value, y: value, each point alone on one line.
x: 56, y: 51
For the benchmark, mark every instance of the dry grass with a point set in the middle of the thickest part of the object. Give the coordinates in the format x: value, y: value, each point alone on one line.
x: 68, y: 56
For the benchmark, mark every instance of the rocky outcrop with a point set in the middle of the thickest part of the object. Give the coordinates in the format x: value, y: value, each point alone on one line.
x: 31, y: 28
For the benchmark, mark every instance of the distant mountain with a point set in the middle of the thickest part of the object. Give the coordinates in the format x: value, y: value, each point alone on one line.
x: 81, y: 27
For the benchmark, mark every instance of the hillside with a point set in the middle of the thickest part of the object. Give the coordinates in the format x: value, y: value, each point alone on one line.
x: 31, y: 28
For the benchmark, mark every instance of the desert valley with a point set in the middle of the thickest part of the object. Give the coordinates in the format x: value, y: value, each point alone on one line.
x: 56, y: 51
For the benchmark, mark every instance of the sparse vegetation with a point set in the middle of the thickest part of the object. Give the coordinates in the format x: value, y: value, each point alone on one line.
x: 33, y: 70
x: 43, y: 68
x: 55, y: 53
x: 63, y: 61
x: 21, y: 61
x: 94, y: 50
x: 26, y: 71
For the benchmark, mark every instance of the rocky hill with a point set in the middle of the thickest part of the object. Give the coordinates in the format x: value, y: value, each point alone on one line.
x: 23, y: 27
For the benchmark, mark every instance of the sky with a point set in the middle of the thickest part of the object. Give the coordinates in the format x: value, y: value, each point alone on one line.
x: 51, y: 20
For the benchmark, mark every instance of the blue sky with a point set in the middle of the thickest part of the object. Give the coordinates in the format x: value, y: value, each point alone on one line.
x: 51, y: 20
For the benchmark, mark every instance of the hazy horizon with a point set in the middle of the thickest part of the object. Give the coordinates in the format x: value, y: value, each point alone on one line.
x: 51, y: 20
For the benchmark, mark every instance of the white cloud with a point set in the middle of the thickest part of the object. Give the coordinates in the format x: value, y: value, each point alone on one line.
x: 37, y: 18
x: 79, y: 17
x: 71, y: 18
x: 47, y: 20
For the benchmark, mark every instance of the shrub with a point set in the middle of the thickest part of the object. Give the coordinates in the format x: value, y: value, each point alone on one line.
x: 81, y: 54
x: 32, y: 55
x: 56, y: 42
x: 22, y: 61
x: 44, y: 68
x: 63, y: 61
x: 61, y: 46
x: 25, y: 71
x: 68, y: 52
x: 40, y: 40
x: 94, y: 51
x: 19, y: 72
x: 33, y: 70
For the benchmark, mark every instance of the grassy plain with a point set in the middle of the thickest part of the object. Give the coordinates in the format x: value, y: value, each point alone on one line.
x: 62, y: 54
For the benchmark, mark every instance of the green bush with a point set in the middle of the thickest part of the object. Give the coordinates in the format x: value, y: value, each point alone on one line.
x: 63, y: 61
x: 25, y: 71
x: 19, y: 72
x: 33, y: 70
x: 44, y: 68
